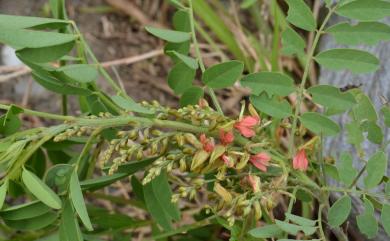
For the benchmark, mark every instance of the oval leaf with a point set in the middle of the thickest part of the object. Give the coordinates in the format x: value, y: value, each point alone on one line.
x: 271, y: 106
x: 357, y: 61
x: 385, y: 218
x: 81, y: 73
x: 331, y: 97
x: 191, y: 96
x: 366, y: 221
x: 300, y: 15
x: 13, y: 21
x: 292, y: 43
x: 362, y: 33
x: 40, y: 190
x: 78, y: 202
x: 169, y: 35
x: 339, y: 211
x: 190, y: 62
x: 180, y: 78
x: 223, y: 75
x: 376, y: 169
x: 347, y: 172
x: 35, y: 223
x: 319, y: 124
x: 69, y: 228
x: 268, y: 231
x: 365, y: 10
x: 271, y: 82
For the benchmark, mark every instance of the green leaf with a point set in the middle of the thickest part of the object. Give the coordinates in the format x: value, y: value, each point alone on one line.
x: 272, y: 83
x: 169, y: 35
x: 223, y: 75
x: 300, y: 15
x: 190, y: 62
x: 385, y: 218
x: 271, y: 106
x: 181, y: 21
x: 35, y: 223
x: 357, y: 61
x: 155, y: 208
x: 354, y: 133
x: 78, y: 202
x: 366, y: 221
x: 364, y: 110
x: 57, y: 86
x: 292, y: 43
x: 10, y: 122
x: 21, y: 38
x: 370, y: 33
x: 331, y: 97
x: 267, y: 231
x: 365, y: 10
x: 25, y: 211
x: 347, y: 172
x: 339, y: 211
x: 191, y: 96
x: 180, y: 78
x: 319, y: 124
x: 45, y: 54
x: 129, y: 104
x: 13, y: 21
x: 376, y: 169
x: 3, y: 193
x: 80, y: 73
x: 294, y: 229
x: 162, y: 190
x: 40, y: 190
x: 375, y: 134
x: 300, y: 220
x: 69, y: 228
x: 386, y: 115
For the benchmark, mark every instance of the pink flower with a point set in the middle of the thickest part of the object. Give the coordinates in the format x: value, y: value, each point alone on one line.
x: 300, y: 161
x: 260, y: 161
x: 227, y: 161
x: 246, y: 125
x: 208, y: 145
x: 226, y: 137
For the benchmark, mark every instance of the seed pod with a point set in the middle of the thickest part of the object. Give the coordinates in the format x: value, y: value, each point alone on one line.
x: 183, y: 164
x: 243, y: 161
x: 199, y: 158
x: 154, y: 148
x: 223, y: 193
x: 217, y: 153
x: 258, y: 212
x: 156, y: 132
x: 253, y: 111
x: 188, y: 150
x: 190, y: 138
x: 221, y: 175
x: 140, y: 154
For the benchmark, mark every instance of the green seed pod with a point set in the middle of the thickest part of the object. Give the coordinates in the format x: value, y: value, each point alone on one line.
x: 183, y: 165
x: 191, y: 139
x: 223, y: 193
x: 199, y: 158
x: 243, y: 161
x: 258, y: 212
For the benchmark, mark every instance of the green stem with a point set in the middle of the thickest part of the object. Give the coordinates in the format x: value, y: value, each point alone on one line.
x: 322, y: 233
x: 199, y: 56
x: 87, y: 147
x: 41, y: 114
x: 301, y: 88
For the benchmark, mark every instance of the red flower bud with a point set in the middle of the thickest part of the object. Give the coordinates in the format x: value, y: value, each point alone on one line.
x: 246, y: 125
x: 226, y: 137
x: 300, y: 161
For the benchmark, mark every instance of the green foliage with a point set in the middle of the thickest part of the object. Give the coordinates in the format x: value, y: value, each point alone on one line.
x: 339, y: 211
x: 362, y: 33
x: 270, y: 82
x: 271, y: 106
x: 385, y: 218
x: 40, y: 190
x: 180, y: 77
x: 292, y: 43
x: 319, y: 124
x: 365, y: 10
x: 300, y: 15
x: 366, y: 221
x: 223, y: 75
x: 376, y: 169
x: 357, y: 61
x: 346, y: 171
x: 331, y: 97
x: 172, y: 36
x: 267, y: 231
x: 130, y: 105
x: 191, y: 96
